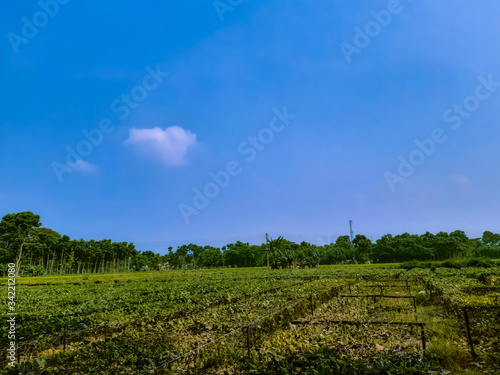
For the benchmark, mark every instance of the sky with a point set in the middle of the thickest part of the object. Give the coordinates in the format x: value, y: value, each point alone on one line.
x: 170, y: 122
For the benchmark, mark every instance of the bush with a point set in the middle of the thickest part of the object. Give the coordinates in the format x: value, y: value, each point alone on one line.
x: 3, y: 269
x: 451, y: 263
x: 30, y: 270
x: 480, y: 262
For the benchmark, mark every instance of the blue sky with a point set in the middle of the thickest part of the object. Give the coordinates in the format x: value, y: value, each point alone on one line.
x: 336, y: 94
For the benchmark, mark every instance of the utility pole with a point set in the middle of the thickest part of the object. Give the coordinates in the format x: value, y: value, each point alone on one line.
x: 350, y: 226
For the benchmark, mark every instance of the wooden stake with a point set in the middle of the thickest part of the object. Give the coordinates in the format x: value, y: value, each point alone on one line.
x: 469, y: 336
x: 423, y: 338
x: 248, y: 340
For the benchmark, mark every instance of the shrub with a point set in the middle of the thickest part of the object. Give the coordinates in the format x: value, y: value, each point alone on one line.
x: 30, y: 270
x: 451, y: 263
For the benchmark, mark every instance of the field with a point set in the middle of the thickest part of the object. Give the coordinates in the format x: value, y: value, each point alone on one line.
x: 356, y: 319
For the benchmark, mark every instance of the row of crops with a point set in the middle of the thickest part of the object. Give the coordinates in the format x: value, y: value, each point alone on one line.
x: 359, y: 332
x: 61, y: 314
x: 244, y: 320
x: 471, y: 296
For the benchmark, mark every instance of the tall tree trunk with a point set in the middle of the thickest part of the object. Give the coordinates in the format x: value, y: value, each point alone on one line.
x: 62, y: 261
x: 52, y: 263
x: 18, y: 260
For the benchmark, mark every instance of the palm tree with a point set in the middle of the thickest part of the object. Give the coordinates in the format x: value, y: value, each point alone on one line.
x: 273, y: 249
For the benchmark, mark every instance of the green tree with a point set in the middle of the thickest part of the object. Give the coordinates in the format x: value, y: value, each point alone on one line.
x: 490, y: 238
x: 16, y: 229
x: 362, y: 247
x: 211, y: 257
x: 273, y: 251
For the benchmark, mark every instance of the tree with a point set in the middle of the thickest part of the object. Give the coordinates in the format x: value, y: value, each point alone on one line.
x: 363, y: 247
x: 344, y: 248
x: 273, y: 249
x: 16, y: 229
x: 491, y: 239
x: 43, y: 244
x: 211, y: 257
x: 384, y: 250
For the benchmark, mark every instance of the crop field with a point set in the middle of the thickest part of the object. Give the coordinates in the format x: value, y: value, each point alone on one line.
x: 356, y: 319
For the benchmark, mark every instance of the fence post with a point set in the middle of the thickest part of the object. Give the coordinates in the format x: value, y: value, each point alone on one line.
x: 64, y: 339
x: 248, y: 340
x: 312, y: 306
x: 423, y: 337
x: 469, y: 337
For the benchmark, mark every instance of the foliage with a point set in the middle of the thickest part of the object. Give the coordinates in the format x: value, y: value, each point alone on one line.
x: 22, y: 237
x: 327, y: 361
x: 452, y: 263
x: 152, y: 317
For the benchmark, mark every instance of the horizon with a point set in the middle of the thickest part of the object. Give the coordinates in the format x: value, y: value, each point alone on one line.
x: 167, y: 124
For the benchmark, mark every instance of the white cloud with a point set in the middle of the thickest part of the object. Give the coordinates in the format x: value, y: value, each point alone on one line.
x: 83, y: 166
x: 169, y: 145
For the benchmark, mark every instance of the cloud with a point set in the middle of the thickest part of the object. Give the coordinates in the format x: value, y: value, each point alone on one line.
x: 170, y: 145
x: 83, y: 166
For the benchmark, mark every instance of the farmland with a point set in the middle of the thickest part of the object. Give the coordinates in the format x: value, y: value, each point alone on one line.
x: 332, y: 319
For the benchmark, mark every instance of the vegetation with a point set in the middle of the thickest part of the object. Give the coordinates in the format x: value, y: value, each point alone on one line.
x: 40, y: 251
x: 274, y: 308
x: 126, y: 323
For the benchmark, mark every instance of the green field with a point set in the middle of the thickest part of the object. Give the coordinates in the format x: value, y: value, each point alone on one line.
x: 260, y: 321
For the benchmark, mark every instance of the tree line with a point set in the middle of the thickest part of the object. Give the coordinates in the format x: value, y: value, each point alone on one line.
x: 36, y: 250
